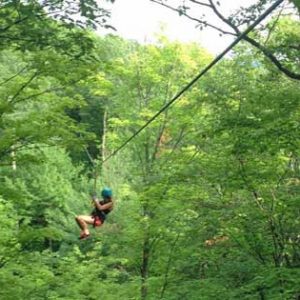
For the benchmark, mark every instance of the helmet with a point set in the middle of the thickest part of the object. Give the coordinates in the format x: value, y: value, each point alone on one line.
x: 106, y: 192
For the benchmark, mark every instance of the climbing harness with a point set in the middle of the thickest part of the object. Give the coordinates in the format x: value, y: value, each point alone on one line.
x: 100, y: 215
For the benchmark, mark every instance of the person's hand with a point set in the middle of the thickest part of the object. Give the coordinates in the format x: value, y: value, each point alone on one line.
x: 94, y: 198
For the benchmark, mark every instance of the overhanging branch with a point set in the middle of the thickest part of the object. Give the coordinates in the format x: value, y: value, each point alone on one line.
x: 289, y: 73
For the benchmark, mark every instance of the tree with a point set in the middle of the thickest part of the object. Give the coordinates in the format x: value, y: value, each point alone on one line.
x: 33, y: 91
x: 215, y: 167
x: 206, y: 196
x: 235, y: 23
x: 153, y: 74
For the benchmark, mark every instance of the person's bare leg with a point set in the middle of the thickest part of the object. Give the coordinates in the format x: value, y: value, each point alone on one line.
x: 79, y: 222
x: 83, y: 222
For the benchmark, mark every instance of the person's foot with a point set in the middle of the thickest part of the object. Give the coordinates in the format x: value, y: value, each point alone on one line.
x: 84, y: 236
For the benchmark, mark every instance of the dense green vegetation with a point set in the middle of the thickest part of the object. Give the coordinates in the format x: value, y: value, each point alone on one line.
x: 207, y: 196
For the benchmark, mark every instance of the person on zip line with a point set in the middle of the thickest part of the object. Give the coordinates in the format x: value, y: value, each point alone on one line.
x: 102, y: 209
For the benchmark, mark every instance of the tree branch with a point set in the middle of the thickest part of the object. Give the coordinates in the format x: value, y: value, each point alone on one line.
x: 204, y: 23
x: 38, y: 94
x: 273, y: 26
x: 13, y: 24
x: 23, y: 87
x: 221, y: 17
x: 256, y: 44
x: 14, y: 76
x: 200, y: 3
x: 237, y: 32
x: 168, y: 266
x: 54, y: 89
x: 273, y: 58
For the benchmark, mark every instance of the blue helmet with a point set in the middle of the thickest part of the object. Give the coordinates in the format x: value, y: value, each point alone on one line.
x: 106, y: 192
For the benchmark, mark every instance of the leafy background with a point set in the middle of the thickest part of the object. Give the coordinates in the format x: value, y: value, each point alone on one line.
x: 207, y: 196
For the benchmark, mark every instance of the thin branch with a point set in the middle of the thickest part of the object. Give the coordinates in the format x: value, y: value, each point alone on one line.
x: 38, y: 94
x: 180, y: 137
x: 168, y: 267
x: 248, y: 250
x: 204, y: 23
x: 23, y: 87
x: 220, y: 16
x: 162, y: 128
x: 38, y: 16
x: 248, y: 184
x: 14, y: 23
x: 89, y: 156
x: 55, y: 89
x: 201, y: 3
x: 14, y: 76
x: 273, y: 26
x: 160, y: 134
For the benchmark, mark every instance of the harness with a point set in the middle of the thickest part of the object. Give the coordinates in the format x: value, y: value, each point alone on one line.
x: 100, y: 215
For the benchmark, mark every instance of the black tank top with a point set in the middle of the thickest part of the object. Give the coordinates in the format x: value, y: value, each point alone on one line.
x: 102, y: 213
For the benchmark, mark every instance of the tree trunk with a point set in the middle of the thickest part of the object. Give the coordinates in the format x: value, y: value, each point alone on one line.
x: 145, y: 268
x: 103, y: 144
x: 14, y: 162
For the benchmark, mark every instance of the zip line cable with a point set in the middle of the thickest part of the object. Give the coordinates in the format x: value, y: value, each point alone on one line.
x: 203, y: 72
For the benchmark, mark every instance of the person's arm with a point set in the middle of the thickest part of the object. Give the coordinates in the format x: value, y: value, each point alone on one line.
x: 105, y: 206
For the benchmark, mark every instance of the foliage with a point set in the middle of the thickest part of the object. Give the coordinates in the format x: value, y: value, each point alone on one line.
x: 236, y: 22
x: 206, y: 197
